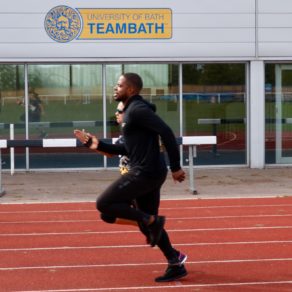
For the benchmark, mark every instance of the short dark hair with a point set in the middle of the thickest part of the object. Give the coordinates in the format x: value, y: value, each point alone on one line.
x: 134, y: 80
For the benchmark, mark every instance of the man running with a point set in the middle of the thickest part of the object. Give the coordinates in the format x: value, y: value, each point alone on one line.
x: 141, y: 129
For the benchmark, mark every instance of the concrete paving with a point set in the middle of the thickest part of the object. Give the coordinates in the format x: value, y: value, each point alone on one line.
x: 85, y: 186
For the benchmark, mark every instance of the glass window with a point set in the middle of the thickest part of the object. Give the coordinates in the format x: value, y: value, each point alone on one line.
x: 12, y: 110
x: 62, y: 98
x: 278, y: 106
x: 214, y: 103
x: 160, y: 87
x: 113, y: 72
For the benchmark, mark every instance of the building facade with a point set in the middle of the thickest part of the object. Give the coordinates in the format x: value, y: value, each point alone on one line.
x: 212, y: 67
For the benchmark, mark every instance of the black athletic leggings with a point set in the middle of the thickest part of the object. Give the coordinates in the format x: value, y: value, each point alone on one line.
x: 116, y: 202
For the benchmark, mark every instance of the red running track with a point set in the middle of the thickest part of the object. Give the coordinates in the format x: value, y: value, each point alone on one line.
x: 232, y: 245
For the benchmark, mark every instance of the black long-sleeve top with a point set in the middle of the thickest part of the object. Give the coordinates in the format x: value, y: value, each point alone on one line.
x: 141, y: 129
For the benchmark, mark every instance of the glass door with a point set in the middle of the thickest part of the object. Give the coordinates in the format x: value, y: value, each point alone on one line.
x: 283, y: 113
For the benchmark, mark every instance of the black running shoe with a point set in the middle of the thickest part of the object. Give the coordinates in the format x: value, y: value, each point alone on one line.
x: 172, y: 273
x: 155, y: 229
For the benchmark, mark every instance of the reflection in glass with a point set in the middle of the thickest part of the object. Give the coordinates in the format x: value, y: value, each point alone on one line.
x: 214, y: 103
x: 12, y: 110
x: 63, y: 97
x: 160, y: 87
x: 68, y: 97
x: 278, y: 96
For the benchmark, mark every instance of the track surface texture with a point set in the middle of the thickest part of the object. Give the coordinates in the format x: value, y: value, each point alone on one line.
x: 232, y: 245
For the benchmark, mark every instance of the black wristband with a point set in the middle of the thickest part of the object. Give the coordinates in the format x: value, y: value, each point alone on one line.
x: 88, y: 143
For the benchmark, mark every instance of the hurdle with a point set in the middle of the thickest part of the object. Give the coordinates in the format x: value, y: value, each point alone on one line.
x: 191, y: 141
x: 48, y: 125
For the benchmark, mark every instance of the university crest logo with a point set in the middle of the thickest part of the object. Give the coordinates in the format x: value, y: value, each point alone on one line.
x: 63, y: 24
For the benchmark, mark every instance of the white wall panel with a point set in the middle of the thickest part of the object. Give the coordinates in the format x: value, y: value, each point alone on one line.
x: 23, y: 20
x: 219, y: 20
x: 209, y: 28
x: 283, y: 35
x: 275, y: 6
x: 19, y: 36
x: 271, y: 20
x: 187, y: 6
x: 275, y: 28
x: 276, y: 50
x: 107, y: 51
x: 214, y: 36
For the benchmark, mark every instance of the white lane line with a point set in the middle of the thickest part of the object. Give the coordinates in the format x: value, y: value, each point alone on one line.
x: 143, y: 264
x: 161, y: 208
x: 144, y: 245
x: 212, y: 285
x: 226, y: 206
x: 48, y: 211
x: 168, y: 219
x: 137, y: 231
x: 50, y: 222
